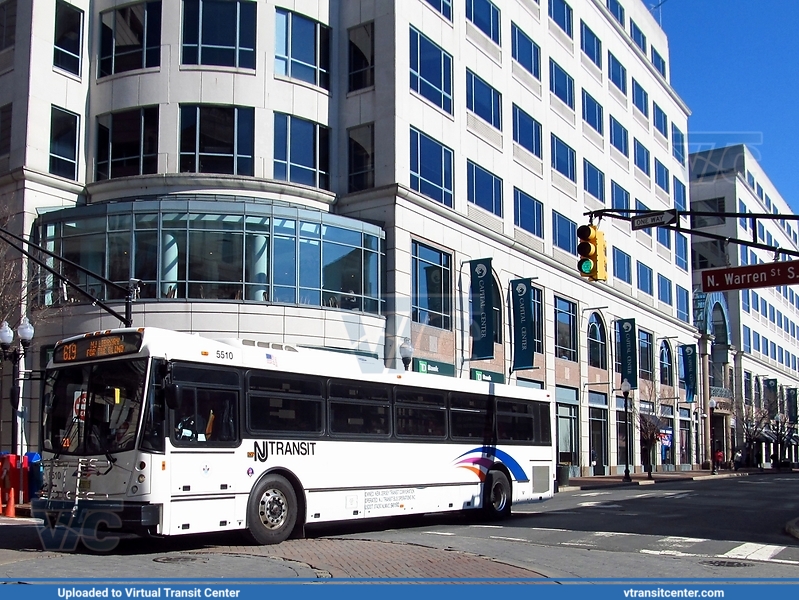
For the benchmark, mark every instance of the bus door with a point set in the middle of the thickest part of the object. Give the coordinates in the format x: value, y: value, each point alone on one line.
x: 204, y: 437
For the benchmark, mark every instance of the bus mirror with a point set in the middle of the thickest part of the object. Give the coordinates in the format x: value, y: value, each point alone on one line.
x: 173, y: 396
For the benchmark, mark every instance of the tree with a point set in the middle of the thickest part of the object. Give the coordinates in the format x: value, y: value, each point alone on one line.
x: 753, y: 421
x: 648, y: 423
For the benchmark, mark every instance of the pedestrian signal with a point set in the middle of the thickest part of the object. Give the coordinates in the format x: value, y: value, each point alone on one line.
x: 592, y: 263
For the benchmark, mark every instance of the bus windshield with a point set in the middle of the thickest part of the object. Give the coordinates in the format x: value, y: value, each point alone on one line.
x: 93, y: 408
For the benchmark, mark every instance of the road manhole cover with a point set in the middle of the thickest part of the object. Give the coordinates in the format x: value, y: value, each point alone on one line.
x: 725, y: 563
x: 175, y: 559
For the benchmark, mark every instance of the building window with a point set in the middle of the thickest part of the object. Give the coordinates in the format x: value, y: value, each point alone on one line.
x: 594, y: 181
x: 666, y: 364
x: 127, y: 143
x: 638, y: 36
x: 660, y: 119
x: 622, y: 266
x: 618, y: 137
x: 483, y: 100
x: 640, y: 98
x: 747, y: 339
x: 484, y: 188
x: 431, y: 294
x: 677, y: 144
x: 746, y: 308
x: 591, y: 44
x: 216, y: 139
x: 8, y: 23
x: 442, y: 6
x: 683, y: 305
x: 561, y: 84
x: 565, y: 329
x: 568, y: 426
x: 561, y: 13
x: 130, y: 38
x: 361, y: 155
x: 431, y: 71
x: 525, y: 51
x: 68, y: 37
x: 645, y: 279
x: 362, y: 57
x: 641, y: 206
x: 617, y: 73
x: 664, y: 290
x: 485, y: 16
x: 664, y: 237
x: 646, y: 359
x: 310, y: 259
x: 526, y: 131
x: 593, y: 113
x: 63, y: 143
x: 564, y: 233
x: 659, y: 62
x: 679, y: 194
x: 5, y: 129
x: 563, y: 158
x: 431, y: 168
x: 641, y: 156
x: 619, y: 197
x: 681, y: 251
x: 302, y: 48
x: 597, y: 343
x: 302, y: 151
x: 538, y: 319
x: 219, y: 32
x: 528, y: 213
x: 617, y: 10
x: 661, y: 176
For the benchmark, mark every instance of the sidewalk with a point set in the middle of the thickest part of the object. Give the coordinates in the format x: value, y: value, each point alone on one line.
x: 602, y: 481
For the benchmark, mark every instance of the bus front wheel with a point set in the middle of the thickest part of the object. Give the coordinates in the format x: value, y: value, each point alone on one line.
x: 272, y: 513
x: 497, y: 495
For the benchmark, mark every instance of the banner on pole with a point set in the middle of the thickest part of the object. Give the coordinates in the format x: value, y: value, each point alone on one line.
x: 522, y: 306
x: 689, y: 371
x: 482, y: 313
x: 628, y: 351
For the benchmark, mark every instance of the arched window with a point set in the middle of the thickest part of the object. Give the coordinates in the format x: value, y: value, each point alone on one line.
x: 597, y: 343
x: 666, y: 365
x: 497, y: 312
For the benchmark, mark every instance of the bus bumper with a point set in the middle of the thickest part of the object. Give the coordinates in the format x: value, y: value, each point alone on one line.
x: 92, y: 516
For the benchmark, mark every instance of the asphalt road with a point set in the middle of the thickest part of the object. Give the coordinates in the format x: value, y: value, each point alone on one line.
x: 726, y: 528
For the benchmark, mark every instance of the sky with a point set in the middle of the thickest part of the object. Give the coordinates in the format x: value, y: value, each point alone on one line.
x: 735, y: 63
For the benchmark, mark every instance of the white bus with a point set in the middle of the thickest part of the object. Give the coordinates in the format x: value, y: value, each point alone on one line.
x: 156, y: 432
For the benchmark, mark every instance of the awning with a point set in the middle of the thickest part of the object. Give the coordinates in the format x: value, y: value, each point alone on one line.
x: 765, y: 436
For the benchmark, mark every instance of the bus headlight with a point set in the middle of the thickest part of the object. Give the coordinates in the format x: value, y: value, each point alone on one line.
x: 134, y: 489
x: 142, y: 466
x: 141, y: 478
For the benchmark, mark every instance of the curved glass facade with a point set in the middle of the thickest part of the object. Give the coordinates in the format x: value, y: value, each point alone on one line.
x: 229, y: 248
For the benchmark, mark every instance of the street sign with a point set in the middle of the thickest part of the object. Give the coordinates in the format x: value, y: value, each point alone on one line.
x: 664, y: 217
x: 753, y: 276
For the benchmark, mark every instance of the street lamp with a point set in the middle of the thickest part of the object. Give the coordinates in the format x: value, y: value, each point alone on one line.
x: 406, y: 352
x: 625, y: 390
x: 712, y: 406
x: 14, y: 356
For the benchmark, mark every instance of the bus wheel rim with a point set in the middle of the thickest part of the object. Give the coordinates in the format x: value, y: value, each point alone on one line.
x: 498, y: 497
x: 273, y: 509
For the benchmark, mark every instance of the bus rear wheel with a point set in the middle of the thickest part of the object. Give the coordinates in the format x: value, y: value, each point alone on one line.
x: 272, y: 511
x: 497, y: 496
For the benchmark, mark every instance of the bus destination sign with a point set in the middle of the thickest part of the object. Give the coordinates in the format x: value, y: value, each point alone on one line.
x: 101, y: 346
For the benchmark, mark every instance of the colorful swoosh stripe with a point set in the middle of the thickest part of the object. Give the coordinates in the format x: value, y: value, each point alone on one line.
x: 479, y: 460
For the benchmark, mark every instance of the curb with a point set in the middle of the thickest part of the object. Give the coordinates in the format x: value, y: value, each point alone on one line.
x: 637, y: 482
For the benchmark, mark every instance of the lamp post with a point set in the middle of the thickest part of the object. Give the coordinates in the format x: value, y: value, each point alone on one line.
x: 625, y: 390
x: 406, y: 352
x: 712, y: 406
x: 14, y: 356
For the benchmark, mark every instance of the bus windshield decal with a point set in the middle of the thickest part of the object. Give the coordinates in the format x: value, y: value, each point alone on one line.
x: 479, y: 460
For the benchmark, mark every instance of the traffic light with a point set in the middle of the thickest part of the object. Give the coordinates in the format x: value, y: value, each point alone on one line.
x: 592, y: 263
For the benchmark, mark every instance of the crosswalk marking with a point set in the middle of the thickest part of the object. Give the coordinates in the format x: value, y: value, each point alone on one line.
x: 754, y: 551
